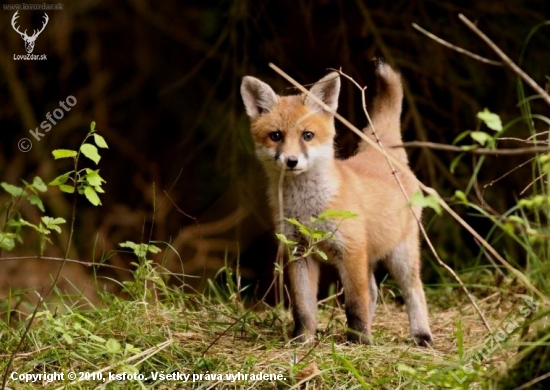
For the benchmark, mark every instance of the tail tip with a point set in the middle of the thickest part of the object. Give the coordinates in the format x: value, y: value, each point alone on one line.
x: 384, y: 70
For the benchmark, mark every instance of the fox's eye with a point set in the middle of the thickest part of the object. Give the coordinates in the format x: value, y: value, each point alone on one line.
x: 276, y: 136
x: 307, y: 135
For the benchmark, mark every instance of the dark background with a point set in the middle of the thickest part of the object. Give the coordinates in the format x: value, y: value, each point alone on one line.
x: 162, y: 82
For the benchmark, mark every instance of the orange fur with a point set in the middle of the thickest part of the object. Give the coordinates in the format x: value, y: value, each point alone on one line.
x: 294, y: 136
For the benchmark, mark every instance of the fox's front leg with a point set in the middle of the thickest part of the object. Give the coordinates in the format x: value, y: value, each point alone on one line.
x: 304, y: 281
x: 354, y: 272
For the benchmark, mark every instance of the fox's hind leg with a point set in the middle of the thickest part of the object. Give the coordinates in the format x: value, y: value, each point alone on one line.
x: 304, y: 281
x: 354, y: 272
x: 404, y: 265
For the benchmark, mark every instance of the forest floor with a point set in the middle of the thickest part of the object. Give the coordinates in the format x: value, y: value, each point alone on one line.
x: 215, y: 341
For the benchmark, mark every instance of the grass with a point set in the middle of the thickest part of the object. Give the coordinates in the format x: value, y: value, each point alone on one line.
x: 153, y: 330
x: 160, y: 329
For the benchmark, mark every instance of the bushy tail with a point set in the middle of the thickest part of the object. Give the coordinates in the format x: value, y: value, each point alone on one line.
x: 385, y: 109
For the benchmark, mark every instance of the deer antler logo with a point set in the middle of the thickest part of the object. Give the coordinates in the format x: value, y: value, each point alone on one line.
x: 29, y: 41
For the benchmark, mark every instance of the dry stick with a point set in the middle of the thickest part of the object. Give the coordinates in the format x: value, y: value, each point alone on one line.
x: 533, y: 381
x: 481, y: 151
x: 541, y: 176
x: 545, y: 96
x: 456, y: 48
x: 428, y: 190
x: 424, y: 233
x: 281, y: 247
x: 81, y: 262
x: 509, y: 172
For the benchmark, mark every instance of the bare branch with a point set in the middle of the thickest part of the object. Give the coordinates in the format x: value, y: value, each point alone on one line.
x: 456, y: 48
x: 482, y: 151
x: 506, y: 59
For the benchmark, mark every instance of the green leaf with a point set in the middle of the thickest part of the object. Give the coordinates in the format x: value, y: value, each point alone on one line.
x: 62, y: 179
x: 90, y: 151
x: 35, y: 200
x: 490, y: 119
x: 140, y: 250
x: 112, y: 346
x: 63, y: 153
x: 39, y: 184
x: 318, y: 234
x: 93, y: 178
x: 91, y: 195
x: 461, y: 136
x: 431, y: 201
x: 66, y: 188
x: 130, y: 348
x: 461, y: 197
x: 455, y: 163
x: 22, y: 222
x: 67, y: 338
x: 153, y: 249
x: 92, y: 126
x: 321, y: 254
x: 13, y: 190
x: 52, y: 223
x: 480, y: 137
x: 7, y: 241
x: 301, y: 227
x: 128, y: 244
x: 294, y: 222
x: 284, y: 240
x: 337, y: 214
x: 97, y: 339
x: 100, y: 141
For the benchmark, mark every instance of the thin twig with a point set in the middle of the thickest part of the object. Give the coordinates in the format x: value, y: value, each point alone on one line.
x: 482, y: 151
x: 456, y: 48
x: 26, y: 354
x: 81, y: 262
x: 533, y: 381
x: 541, y: 176
x: 506, y: 59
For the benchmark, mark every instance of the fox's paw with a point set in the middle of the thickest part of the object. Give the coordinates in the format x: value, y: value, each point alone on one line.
x: 423, y: 339
x: 301, y: 336
x: 359, y: 338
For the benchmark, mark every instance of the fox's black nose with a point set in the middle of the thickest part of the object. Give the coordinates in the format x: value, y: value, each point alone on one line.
x: 291, y: 162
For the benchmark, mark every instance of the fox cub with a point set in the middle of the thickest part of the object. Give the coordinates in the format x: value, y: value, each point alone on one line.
x: 294, y: 137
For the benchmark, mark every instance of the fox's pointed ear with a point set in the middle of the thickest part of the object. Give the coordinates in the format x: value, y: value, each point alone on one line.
x: 327, y: 89
x: 258, y: 97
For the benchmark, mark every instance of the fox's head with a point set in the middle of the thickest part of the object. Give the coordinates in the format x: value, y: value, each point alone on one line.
x: 292, y: 133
